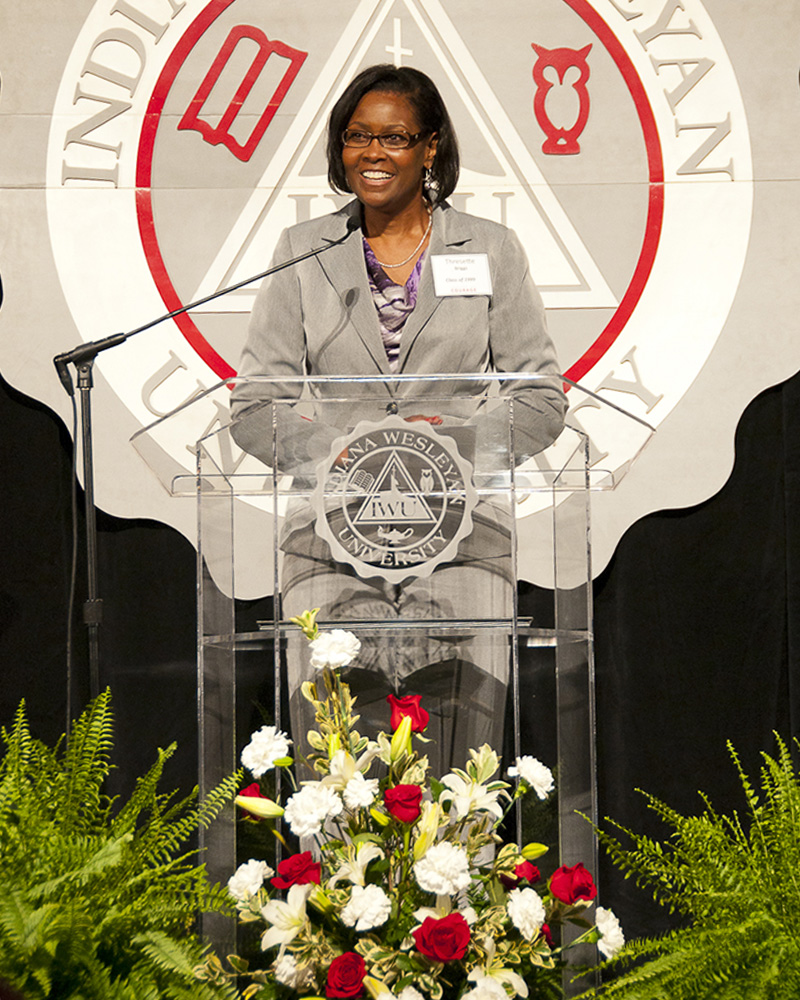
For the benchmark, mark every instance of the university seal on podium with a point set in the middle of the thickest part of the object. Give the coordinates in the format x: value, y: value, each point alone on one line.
x: 394, y: 499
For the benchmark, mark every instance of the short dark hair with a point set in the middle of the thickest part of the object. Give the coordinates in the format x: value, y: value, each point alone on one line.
x: 424, y: 97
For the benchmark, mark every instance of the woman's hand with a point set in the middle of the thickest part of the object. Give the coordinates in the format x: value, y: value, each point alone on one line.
x: 421, y: 416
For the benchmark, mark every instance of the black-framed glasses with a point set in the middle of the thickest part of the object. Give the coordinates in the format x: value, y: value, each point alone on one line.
x: 357, y: 138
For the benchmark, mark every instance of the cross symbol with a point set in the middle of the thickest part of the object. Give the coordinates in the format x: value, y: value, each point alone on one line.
x: 396, y: 49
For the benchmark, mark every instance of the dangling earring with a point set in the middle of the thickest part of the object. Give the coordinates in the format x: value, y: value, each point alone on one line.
x: 429, y: 185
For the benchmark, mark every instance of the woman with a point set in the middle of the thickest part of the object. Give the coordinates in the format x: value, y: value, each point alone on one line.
x: 368, y: 304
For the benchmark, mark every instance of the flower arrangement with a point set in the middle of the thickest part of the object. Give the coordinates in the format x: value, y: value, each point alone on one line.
x: 412, y: 892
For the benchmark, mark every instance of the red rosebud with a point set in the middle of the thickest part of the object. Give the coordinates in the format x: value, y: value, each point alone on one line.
x: 346, y: 976
x: 571, y: 884
x: 445, y: 939
x: 524, y: 872
x: 403, y: 802
x: 408, y: 705
x: 254, y: 791
x: 547, y: 934
x: 299, y: 869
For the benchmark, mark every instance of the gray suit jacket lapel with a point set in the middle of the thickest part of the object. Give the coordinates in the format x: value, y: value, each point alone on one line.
x: 450, y: 231
x: 346, y: 270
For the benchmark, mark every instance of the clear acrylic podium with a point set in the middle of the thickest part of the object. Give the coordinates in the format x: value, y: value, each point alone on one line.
x: 412, y: 533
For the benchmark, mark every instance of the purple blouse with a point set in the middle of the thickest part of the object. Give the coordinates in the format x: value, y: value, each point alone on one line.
x: 394, y: 303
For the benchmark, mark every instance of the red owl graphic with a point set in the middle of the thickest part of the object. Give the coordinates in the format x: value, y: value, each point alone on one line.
x: 561, y: 141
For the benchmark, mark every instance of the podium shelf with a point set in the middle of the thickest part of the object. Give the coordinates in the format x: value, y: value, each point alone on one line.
x: 533, y: 636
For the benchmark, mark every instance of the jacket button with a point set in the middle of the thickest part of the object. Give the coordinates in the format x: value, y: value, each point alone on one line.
x: 391, y: 408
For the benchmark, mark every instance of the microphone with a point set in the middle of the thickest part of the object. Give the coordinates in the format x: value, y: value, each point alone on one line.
x: 81, y: 353
x: 89, y: 351
x: 83, y: 357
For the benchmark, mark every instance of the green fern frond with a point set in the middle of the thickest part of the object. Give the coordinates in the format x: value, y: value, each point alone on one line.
x: 700, y: 964
x: 83, y: 875
x: 736, y: 882
x: 201, y: 816
x: 145, y: 794
x: 19, y: 746
x: 180, y: 959
x: 87, y: 763
x: 22, y: 925
x: 108, y: 855
x: 168, y: 954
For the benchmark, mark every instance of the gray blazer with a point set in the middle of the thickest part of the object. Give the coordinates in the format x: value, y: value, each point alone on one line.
x: 318, y: 318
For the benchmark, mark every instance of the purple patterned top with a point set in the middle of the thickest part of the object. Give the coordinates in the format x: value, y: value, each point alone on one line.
x: 394, y: 303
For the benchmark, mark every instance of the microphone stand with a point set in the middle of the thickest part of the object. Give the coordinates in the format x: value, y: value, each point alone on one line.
x: 83, y: 357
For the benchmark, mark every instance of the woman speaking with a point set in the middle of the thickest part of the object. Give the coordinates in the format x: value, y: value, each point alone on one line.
x: 374, y: 302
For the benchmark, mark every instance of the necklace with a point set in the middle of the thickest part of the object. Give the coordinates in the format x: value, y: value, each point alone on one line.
x: 416, y: 248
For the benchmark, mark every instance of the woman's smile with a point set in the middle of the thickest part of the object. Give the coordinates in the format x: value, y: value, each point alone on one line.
x: 376, y: 175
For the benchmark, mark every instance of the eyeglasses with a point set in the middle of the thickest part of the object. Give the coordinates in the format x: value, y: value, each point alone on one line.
x: 358, y: 139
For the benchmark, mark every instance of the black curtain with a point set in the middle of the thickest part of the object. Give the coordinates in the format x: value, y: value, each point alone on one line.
x: 147, y: 583
x: 696, y: 620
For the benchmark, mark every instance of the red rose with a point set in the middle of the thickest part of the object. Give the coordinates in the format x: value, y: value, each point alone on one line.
x: 443, y: 940
x: 571, y: 884
x: 408, y: 705
x: 403, y: 801
x: 346, y: 976
x: 299, y: 869
x: 547, y: 934
x: 524, y: 872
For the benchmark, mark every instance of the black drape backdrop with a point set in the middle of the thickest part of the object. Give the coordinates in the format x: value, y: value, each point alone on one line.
x: 696, y: 617
x: 696, y: 621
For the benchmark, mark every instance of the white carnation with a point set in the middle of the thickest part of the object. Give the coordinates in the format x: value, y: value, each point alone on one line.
x: 608, y: 925
x: 248, y: 879
x: 288, y: 973
x: 360, y: 792
x: 443, y: 869
x: 334, y: 649
x: 369, y: 907
x: 308, y: 809
x: 266, y: 746
x: 534, y: 772
x: 526, y: 910
x: 407, y: 993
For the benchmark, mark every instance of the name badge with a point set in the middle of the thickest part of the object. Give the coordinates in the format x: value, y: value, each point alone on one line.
x: 461, y: 274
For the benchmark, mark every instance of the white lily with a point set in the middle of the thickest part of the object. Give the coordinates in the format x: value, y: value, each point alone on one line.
x: 286, y: 918
x: 427, y: 828
x: 344, y: 766
x: 355, y: 868
x: 470, y: 796
x: 499, y: 973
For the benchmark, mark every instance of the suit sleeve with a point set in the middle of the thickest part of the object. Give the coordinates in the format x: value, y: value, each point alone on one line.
x: 276, y: 347
x: 519, y: 342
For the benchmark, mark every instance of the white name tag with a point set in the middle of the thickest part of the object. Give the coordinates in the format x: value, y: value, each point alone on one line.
x: 461, y: 274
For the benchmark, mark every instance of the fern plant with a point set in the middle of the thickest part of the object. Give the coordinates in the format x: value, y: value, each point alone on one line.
x: 99, y: 899
x: 735, y: 884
